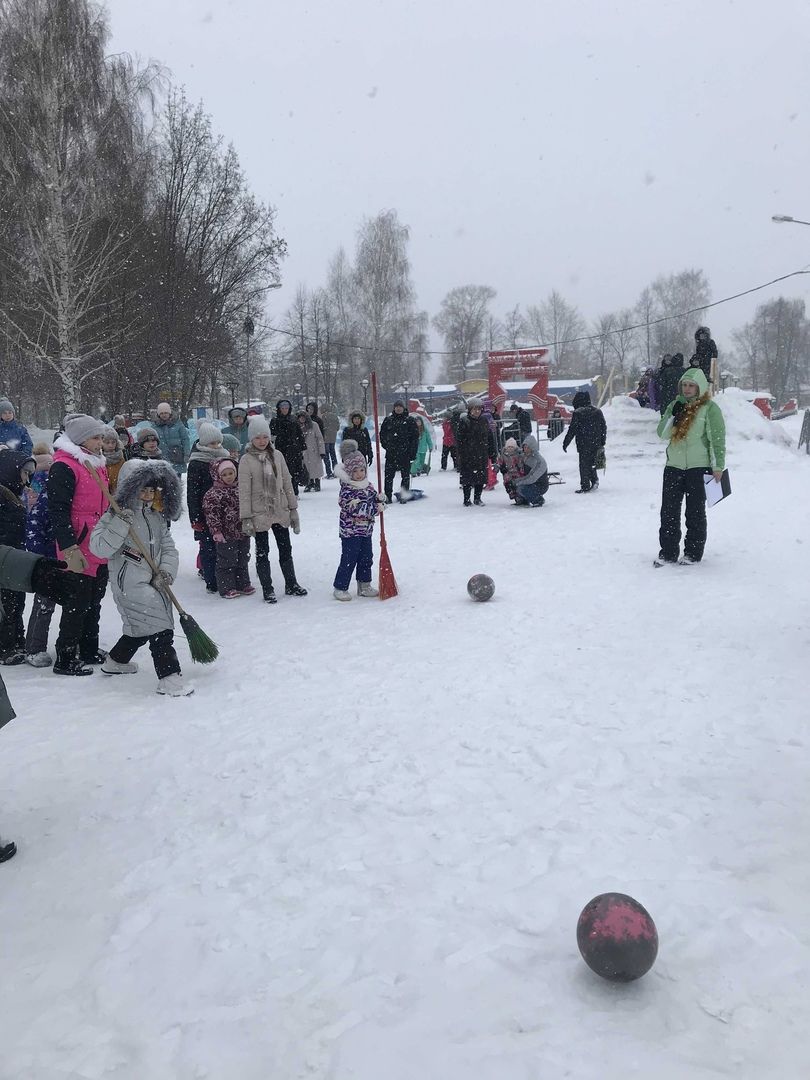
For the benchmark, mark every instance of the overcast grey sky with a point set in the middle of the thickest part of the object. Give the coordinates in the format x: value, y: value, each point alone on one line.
x: 583, y: 145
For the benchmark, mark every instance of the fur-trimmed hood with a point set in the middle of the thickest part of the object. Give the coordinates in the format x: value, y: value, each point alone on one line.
x: 69, y: 447
x: 150, y: 472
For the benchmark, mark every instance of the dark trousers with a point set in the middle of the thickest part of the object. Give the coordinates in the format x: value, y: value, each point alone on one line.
x: 81, y: 611
x: 161, y: 646
x: 587, y: 469
x: 533, y: 493
x: 357, y: 552
x: 232, y: 565
x: 677, y: 484
x: 476, y: 489
x: 12, y: 632
x: 448, y: 451
x: 208, y: 558
x: 282, y: 538
x: 391, y: 470
x: 39, y: 623
x: 329, y: 457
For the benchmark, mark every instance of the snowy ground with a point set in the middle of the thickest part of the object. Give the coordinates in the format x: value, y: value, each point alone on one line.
x: 359, y: 851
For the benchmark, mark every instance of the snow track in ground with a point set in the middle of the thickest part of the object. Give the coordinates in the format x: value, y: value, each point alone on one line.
x: 360, y: 849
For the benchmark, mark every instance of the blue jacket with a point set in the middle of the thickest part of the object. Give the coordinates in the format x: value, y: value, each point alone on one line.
x: 39, y: 536
x: 175, y: 443
x: 15, y: 436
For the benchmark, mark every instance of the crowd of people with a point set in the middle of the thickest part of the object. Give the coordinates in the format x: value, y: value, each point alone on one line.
x: 97, y: 507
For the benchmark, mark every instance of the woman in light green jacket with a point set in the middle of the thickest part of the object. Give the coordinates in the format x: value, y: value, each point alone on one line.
x: 694, y: 426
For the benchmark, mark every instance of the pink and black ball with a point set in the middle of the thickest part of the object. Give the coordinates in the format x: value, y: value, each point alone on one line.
x: 617, y: 937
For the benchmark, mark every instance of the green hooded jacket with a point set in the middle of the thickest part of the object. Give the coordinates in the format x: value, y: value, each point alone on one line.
x: 705, y: 444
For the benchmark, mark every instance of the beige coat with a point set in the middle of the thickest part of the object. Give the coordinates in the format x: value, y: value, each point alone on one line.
x: 313, y: 455
x: 265, y: 498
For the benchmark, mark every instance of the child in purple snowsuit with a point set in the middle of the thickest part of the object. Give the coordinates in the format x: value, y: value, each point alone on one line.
x: 359, y: 504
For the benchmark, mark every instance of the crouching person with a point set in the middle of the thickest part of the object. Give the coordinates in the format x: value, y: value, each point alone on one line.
x: 533, y: 485
x: 139, y: 592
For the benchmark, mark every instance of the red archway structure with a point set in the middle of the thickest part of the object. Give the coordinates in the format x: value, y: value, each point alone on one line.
x: 520, y: 365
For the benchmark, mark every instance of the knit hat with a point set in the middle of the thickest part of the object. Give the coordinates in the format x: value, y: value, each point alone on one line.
x: 119, y: 421
x: 164, y: 405
x: 79, y: 427
x: 6, y: 406
x: 348, y: 446
x: 42, y: 455
x: 354, y: 460
x: 208, y: 434
x: 110, y: 433
x: 223, y: 463
x: 257, y: 425
x: 230, y: 442
x: 147, y: 433
x: 510, y: 444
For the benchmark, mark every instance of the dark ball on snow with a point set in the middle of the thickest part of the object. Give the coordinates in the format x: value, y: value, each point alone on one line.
x: 617, y: 937
x: 480, y: 587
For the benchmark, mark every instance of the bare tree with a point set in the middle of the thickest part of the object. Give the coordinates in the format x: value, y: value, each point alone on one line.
x: 513, y: 329
x: 70, y: 123
x: 463, y: 321
x: 667, y: 298
x: 555, y: 323
x: 776, y: 347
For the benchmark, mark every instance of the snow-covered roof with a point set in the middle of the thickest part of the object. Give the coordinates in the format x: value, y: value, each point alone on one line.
x: 439, y: 388
x: 554, y: 384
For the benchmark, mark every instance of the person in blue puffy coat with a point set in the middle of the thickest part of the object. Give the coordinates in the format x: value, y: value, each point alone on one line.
x: 12, y: 433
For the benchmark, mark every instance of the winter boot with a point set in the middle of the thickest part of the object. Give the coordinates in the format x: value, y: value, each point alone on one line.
x: 7, y: 851
x: 365, y: 588
x: 342, y: 594
x: 291, y: 586
x: 13, y: 659
x: 687, y: 560
x: 40, y: 659
x: 114, y: 667
x: 98, y: 656
x: 68, y: 663
x: 173, y: 686
x: 317, y: 485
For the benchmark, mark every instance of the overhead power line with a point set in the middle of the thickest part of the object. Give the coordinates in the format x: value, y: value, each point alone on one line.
x: 546, y: 344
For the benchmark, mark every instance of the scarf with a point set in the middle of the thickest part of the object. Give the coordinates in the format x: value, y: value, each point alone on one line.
x: 208, y: 453
x: 114, y: 457
x: 681, y: 429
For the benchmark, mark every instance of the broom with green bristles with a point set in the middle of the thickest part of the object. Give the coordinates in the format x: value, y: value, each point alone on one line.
x: 203, y: 650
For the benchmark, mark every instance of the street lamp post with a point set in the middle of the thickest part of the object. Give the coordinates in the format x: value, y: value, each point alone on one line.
x: 297, y: 389
x: 232, y: 387
x: 782, y: 218
x: 430, y: 390
x: 724, y: 378
x: 405, y: 387
x: 364, y: 384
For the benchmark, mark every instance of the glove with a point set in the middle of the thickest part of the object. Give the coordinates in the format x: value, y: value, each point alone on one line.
x: 381, y: 503
x: 126, y: 515
x: 248, y: 528
x: 677, y: 411
x: 160, y: 579
x: 295, y: 521
x: 218, y: 538
x: 48, y: 578
x: 197, y: 527
x: 76, y: 562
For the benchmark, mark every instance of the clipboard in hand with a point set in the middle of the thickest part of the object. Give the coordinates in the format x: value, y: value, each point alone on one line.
x: 717, y: 490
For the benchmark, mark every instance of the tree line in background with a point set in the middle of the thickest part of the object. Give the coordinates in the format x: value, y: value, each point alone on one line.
x: 131, y: 249
x: 135, y: 263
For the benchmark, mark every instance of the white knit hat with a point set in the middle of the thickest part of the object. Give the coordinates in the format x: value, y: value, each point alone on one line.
x: 79, y: 427
x: 208, y: 434
x: 257, y: 425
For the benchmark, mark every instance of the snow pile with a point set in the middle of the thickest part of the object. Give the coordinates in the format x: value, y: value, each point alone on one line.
x: 745, y: 421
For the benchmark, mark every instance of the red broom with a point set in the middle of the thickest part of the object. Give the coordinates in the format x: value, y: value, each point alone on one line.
x: 388, y: 583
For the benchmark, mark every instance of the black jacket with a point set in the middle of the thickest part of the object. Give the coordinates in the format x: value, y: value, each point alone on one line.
x: 314, y: 415
x: 705, y: 352
x: 589, y: 429
x: 61, y: 488
x: 524, y: 420
x: 400, y: 437
x: 475, y: 445
x: 12, y: 508
x: 362, y: 438
x: 289, y: 439
x: 669, y: 375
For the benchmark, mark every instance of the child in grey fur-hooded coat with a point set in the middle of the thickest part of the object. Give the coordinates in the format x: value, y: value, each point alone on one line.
x: 138, y: 591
